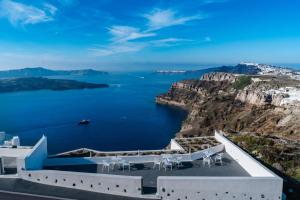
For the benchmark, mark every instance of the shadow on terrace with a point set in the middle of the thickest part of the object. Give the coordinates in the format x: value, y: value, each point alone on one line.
x: 197, y: 157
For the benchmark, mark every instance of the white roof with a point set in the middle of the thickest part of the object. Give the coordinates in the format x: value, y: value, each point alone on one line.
x: 14, y: 152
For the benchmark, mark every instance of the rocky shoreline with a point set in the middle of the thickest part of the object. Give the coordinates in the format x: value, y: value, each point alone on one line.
x: 261, y: 113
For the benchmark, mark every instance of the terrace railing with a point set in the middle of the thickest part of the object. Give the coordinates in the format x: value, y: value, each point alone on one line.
x: 57, y: 161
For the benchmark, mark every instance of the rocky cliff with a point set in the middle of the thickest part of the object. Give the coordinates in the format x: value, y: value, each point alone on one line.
x: 259, y: 106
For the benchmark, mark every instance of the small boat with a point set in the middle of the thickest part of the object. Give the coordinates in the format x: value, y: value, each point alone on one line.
x: 84, y: 122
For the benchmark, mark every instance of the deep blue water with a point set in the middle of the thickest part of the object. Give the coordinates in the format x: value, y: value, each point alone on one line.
x: 123, y: 116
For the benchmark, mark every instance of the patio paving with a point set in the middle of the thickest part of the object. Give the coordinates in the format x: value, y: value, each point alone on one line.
x: 196, y: 168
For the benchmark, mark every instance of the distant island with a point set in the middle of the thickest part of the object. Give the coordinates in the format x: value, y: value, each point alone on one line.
x: 41, y: 72
x: 39, y: 83
x: 241, y: 68
x: 171, y: 71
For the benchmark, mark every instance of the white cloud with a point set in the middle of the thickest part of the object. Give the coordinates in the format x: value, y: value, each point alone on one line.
x: 127, y: 47
x: 116, y: 49
x: 127, y: 33
x: 166, y: 42
x: 18, y: 13
x: 51, y: 9
x: 159, y: 18
x: 124, y: 39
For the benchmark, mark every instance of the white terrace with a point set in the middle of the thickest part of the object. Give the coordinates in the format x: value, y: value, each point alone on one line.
x: 192, y: 168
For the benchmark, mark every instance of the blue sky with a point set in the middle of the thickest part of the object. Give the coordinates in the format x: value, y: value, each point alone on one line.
x: 136, y: 34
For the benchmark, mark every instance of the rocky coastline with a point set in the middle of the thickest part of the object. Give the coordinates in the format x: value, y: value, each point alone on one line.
x: 261, y: 113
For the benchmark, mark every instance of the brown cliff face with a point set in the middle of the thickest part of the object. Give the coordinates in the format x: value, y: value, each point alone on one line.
x: 214, y: 103
x: 238, y: 106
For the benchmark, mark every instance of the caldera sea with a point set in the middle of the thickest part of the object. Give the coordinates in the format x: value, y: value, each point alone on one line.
x: 123, y: 116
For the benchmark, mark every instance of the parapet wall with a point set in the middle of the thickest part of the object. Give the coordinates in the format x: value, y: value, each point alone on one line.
x: 99, y: 160
x: 102, y: 183
x: 131, y: 159
x: 263, y: 184
x: 216, y: 188
x: 212, y: 150
x: 252, y: 166
x: 34, y: 160
x: 175, y: 145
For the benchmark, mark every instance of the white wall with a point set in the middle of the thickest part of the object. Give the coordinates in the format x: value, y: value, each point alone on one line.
x: 102, y: 183
x: 216, y: 188
x: 175, y: 145
x: 262, y: 184
x: 252, y: 166
x: 9, y: 162
x: 35, y: 159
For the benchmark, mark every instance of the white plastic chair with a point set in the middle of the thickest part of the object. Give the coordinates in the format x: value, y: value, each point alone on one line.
x: 115, y: 161
x: 156, y: 162
x: 125, y: 164
x: 166, y: 164
x: 178, y: 161
x: 106, y: 165
x: 207, y: 158
x: 219, y: 158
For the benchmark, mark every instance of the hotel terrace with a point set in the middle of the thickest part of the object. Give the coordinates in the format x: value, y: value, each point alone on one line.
x: 206, y: 168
